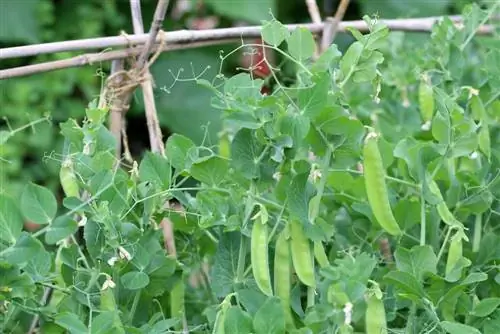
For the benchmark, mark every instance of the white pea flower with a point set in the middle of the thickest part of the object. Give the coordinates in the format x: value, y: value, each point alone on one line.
x: 426, y: 126
x: 108, y: 283
x: 82, y: 221
x: 124, y: 254
x: 112, y: 261
x: 348, y: 313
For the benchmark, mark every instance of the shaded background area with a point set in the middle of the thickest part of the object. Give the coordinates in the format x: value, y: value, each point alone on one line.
x: 183, y: 106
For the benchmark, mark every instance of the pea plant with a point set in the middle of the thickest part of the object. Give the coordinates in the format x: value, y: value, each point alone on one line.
x: 359, y: 196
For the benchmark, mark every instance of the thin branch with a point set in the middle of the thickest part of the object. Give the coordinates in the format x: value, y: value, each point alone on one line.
x: 97, y: 58
x: 118, y: 105
x: 159, y: 16
x: 332, y: 25
x: 155, y: 135
x: 312, y: 8
x: 190, y: 36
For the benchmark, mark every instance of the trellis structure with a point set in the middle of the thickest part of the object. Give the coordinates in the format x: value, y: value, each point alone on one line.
x: 139, y: 46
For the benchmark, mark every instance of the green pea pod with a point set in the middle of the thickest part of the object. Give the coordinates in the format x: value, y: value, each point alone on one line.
x: 376, y: 188
x: 302, y: 256
x: 426, y: 100
x: 477, y: 108
x: 219, y: 322
x: 484, y: 141
x: 454, y: 252
x: 177, y: 302
x: 68, y: 180
x: 320, y: 255
x: 260, y: 257
x: 108, y: 302
x: 282, y: 276
x: 442, y: 208
x: 375, y: 318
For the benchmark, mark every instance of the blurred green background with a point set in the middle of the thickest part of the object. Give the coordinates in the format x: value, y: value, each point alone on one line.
x: 33, y: 154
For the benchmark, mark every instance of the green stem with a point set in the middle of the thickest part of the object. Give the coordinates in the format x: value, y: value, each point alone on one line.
x: 446, y: 238
x: 240, y: 271
x: 322, y: 183
x: 137, y: 297
x: 483, y: 21
x: 310, y: 297
x: 478, y: 225
x: 422, y: 219
x: 390, y: 178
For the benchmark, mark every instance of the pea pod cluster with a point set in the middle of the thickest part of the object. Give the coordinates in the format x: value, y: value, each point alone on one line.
x: 376, y: 188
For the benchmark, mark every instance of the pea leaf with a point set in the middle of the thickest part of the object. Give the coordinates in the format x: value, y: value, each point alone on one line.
x: 211, y: 171
x: 11, y: 221
x: 486, y: 306
x: 60, y: 228
x: 418, y: 261
x: 177, y: 148
x: 71, y: 322
x: 312, y: 100
x: 245, y: 152
x: 406, y: 283
x: 237, y: 321
x: 38, y: 204
x: 270, y: 318
x: 226, y: 262
x: 24, y: 250
x: 274, y: 33
x: 301, y: 44
x: 458, y: 328
x: 135, y: 280
x: 156, y: 169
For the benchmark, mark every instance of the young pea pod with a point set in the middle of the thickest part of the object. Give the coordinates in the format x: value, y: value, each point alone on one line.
x: 484, y: 141
x: 375, y: 317
x: 177, y: 302
x: 68, y: 179
x: 282, y: 275
x: 376, y: 188
x: 442, y: 208
x: 259, y: 256
x: 320, y: 254
x: 302, y: 256
x: 455, y: 261
x: 426, y: 100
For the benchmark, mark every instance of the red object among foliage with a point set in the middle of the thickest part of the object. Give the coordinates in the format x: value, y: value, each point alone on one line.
x: 257, y: 60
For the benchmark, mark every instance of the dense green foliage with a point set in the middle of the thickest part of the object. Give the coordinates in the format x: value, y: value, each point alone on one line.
x: 65, y: 93
x: 283, y: 193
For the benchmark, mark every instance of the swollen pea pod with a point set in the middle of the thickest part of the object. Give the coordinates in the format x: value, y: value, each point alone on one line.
x: 442, y: 208
x: 177, y: 302
x: 426, y: 100
x: 282, y: 276
x: 320, y: 254
x: 375, y: 317
x: 454, y: 252
x: 259, y: 256
x: 68, y: 179
x: 376, y: 188
x: 302, y: 256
